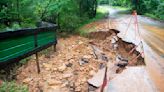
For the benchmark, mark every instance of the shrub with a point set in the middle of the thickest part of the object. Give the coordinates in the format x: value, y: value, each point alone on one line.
x: 12, y: 87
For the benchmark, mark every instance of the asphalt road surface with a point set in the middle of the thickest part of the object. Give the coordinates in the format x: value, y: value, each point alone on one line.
x: 152, y: 35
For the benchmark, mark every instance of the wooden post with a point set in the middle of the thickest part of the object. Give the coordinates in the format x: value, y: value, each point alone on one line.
x: 54, y: 47
x: 37, y: 63
x: 36, y: 45
x: 108, y: 21
x: 55, y: 39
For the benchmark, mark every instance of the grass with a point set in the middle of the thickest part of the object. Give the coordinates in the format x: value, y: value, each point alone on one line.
x: 12, y: 87
x: 85, y: 32
x: 153, y: 16
x: 150, y: 15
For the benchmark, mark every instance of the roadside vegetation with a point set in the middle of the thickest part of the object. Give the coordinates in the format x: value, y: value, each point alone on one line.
x: 68, y: 14
x: 150, y: 8
x: 12, y: 87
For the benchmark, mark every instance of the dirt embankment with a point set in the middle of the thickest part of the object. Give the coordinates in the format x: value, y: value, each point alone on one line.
x: 77, y: 59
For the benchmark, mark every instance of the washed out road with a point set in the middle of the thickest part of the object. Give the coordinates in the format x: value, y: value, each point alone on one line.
x: 152, y: 35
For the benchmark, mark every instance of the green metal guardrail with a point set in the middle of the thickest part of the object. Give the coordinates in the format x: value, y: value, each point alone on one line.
x: 16, y: 45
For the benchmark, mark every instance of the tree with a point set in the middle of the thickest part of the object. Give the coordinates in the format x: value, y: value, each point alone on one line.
x: 88, y: 7
x: 69, y: 13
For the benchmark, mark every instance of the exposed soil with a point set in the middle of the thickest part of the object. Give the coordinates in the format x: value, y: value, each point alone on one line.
x: 68, y: 69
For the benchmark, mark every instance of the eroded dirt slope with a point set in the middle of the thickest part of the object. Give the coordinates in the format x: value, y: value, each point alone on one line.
x: 77, y: 59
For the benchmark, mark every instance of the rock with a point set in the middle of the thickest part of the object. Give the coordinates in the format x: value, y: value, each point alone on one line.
x: 64, y: 84
x: 71, y: 84
x: 97, y: 79
x: 92, y: 88
x: 71, y: 60
x: 55, y: 69
x: 92, y: 67
x: 78, y: 89
x: 81, y: 68
x: 77, y: 83
x: 27, y: 80
x: 61, y: 61
x: 96, y: 52
x: 73, y: 46
x: 47, y: 65
x: 53, y: 82
x: 62, y: 68
x: 121, y: 62
x: 102, y: 65
x: 91, y: 73
x: 69, y: 56
x: 115, y: 37
x: 69, y: 65
x: 83, y: 80
x: 115, y: 46
x: 83, y: 61
x: 80, y: 42
x: 113, y: 41
x: 104, y: 57
x: 87, y: 56
x: 48, y: 69
x: 67, y: 75
x: 53, y: 89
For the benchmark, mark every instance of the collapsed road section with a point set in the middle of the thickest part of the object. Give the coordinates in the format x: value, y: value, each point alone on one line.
x: 100, y: 63
x: 126, y: 72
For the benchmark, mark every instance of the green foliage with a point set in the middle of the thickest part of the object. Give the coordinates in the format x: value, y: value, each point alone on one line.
x: 88, y: 7
x: 151, y: 8
x: 101, y: 2
x: 12, y: 87
x: 102, y: 12
x: 69, y: 14
x: 160, y: 11
x: 123, y: 3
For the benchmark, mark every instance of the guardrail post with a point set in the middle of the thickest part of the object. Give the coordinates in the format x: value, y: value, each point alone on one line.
x: 37, y: 63
x: 55, y: 43
x: 36, y: 45
x: 54, y: 47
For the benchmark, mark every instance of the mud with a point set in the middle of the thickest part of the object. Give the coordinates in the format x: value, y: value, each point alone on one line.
x: 62, y: 72
x: 102, y: 40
